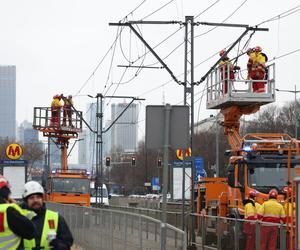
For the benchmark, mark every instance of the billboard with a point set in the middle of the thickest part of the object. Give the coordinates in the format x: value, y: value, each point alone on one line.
x: 177, y: 180
x: 16, y: 176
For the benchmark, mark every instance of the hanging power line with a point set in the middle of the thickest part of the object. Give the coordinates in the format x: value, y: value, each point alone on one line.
x: 206, y: 32
x: 209, y: 7
x: 160, y: 8
x: 284, y: 55
x: 281, y: 15
x: 107, y: 52
x: 171, y: 35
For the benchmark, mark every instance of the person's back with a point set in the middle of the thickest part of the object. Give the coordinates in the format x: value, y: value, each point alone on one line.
x: 272, y: 211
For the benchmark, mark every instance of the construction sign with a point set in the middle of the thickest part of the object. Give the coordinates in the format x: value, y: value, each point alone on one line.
x: 179, y: 153
x: 14, y: 151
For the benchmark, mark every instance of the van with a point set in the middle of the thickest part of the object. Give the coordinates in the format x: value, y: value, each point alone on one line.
x: 105, y: 198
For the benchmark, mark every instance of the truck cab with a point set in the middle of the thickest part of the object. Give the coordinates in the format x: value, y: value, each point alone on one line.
x: 69, y: 186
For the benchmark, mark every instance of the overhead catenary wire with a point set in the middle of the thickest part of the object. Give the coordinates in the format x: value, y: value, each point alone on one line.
x: 160, y: 8
x: 173, y: 33
x: 281, y: 15
x: 206, y: 32
x: 112, y: 58
x: 105, y: 55
x: 179, y: 45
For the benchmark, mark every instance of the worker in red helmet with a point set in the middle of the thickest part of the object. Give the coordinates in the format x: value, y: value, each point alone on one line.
x: 227, y: 70
x: 257, y: 68
x: 272, y: 212
x: 68, y: 103
x: 289, y: 208
x: 55, y: 111
x: 15, y: 223
x: 250, y: 214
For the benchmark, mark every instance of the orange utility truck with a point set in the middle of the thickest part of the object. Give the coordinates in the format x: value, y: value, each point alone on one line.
x: 64, y: 185
x: 258, y: 161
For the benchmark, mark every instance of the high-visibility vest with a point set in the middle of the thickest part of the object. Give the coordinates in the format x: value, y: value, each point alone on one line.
x: 272, y: 211
x: 8, y: 240
x: 55, y: 104
x: 250, y: 211
x: 50, y: 223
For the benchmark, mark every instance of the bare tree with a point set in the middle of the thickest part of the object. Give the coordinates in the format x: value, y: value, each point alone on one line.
x: 4, y: 142
x: 32, y: 152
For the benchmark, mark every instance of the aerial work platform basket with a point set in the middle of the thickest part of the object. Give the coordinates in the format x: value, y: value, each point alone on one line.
x: 57, y: 126
x: 225, y: 88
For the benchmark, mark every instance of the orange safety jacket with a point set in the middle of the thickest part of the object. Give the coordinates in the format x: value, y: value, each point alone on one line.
x: 272, y: 211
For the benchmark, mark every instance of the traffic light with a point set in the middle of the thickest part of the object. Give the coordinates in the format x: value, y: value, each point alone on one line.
x: 133, y: 162
x: 159, y: 162
x: 107, y: 161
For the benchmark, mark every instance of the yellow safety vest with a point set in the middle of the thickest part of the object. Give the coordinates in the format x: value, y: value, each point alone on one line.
x: 50, y: 223
x: 8, y: 240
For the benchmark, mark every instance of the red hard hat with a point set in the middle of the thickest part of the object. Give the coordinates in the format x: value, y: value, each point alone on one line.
x: 273, y: 193
x: 3, y: 182
x: 252, y: 193
x: 258, y: 49
x: 222, y: 52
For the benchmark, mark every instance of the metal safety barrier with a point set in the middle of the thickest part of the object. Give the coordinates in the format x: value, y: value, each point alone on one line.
x: 214, y: 232
x: 105, y: 229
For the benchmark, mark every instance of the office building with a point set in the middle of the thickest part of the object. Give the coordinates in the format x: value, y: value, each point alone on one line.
x: 8, y: 102
x: 124, y: 133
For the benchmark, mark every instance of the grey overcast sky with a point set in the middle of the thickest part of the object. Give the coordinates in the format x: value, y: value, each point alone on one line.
x: 57, y: 44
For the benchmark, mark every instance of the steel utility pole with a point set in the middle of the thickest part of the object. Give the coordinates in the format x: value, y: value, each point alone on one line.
x: 99, y: 138
x: 189, y: 101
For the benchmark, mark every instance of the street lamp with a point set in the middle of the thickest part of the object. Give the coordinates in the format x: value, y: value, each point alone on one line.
x: 295, y: 117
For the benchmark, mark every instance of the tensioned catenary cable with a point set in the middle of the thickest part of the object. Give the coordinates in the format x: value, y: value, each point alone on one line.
x: 103, y: 58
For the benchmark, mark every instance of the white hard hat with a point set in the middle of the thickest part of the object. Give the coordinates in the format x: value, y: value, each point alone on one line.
x: 32, y: 187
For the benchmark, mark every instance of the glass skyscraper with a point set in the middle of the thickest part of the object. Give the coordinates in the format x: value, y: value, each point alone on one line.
x: 8, y: 102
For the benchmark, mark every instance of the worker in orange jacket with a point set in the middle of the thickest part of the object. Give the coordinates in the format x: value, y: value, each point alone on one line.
x: 55, y: 111
x: 227, y: 70
x: 257, y: 68
x: 273, y: 212
x: 289, y: 208
x: 250, y: 214
x: 68, y: 103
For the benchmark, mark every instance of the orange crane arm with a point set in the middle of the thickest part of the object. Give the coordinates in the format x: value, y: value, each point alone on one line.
x: 232, y: 117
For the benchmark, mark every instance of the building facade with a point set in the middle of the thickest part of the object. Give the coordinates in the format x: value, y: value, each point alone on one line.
x: 8, y: 102
x: 124, y: 133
